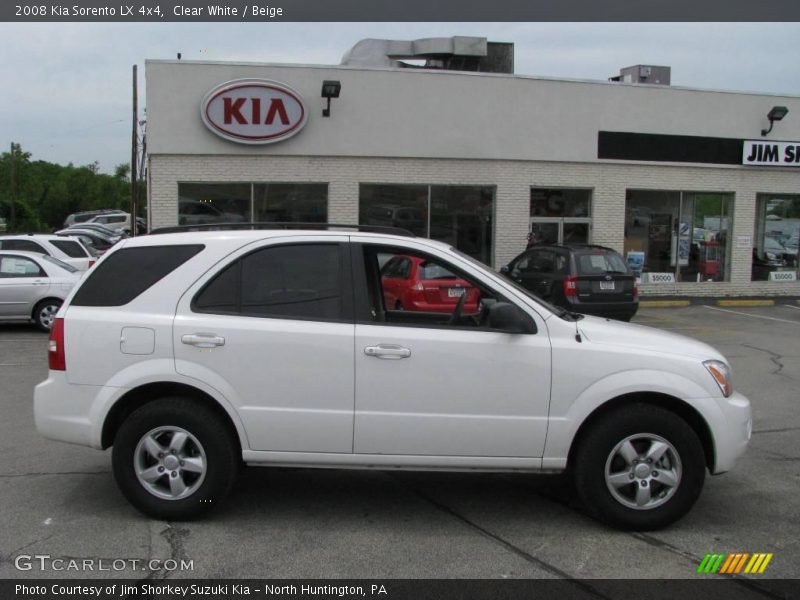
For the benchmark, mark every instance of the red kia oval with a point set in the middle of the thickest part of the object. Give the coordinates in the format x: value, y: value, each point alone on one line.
x: 253, y: 111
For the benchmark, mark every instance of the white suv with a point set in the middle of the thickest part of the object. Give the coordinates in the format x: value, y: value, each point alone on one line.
x: 67, y: 250
x: 191, y: 353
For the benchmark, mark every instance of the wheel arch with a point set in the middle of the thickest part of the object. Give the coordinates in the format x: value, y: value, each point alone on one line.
x: 681, y: 408
x: 41, y: 301
x: 151, y: 392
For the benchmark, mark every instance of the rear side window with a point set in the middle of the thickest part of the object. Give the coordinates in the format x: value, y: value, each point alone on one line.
x: 129, y: 272
x: 301, y: 281
x: 71, y: 249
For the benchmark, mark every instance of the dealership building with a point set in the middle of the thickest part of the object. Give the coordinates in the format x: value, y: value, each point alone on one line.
x: 698, y: 189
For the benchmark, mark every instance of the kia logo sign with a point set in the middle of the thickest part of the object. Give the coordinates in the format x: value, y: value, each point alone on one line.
x: 253, y: 111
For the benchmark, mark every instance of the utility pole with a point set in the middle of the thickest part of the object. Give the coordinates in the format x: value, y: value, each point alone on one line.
x: 134, y: 147
x: 12, y: 209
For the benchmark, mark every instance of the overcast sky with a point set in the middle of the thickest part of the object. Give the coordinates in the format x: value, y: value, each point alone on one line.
x: 65, y: 92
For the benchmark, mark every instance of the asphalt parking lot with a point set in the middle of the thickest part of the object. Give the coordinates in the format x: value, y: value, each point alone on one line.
x: 61, y: 500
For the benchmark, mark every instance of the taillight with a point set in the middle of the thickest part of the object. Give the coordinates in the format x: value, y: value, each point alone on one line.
x: 571, y: 286
x: 91, y: 264
x: 55, y: 351
x: 635, y: 290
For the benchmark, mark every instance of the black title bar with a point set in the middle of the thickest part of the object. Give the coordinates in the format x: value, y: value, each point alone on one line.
x: 155, y: 11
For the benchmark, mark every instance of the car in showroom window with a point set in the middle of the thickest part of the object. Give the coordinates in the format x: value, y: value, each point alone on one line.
x: 190, y: 353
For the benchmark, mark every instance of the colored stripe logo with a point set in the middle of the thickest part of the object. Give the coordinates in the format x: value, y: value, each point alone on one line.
x: 735, y: 563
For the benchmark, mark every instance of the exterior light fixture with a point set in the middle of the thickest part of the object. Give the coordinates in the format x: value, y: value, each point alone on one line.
x: 775, y: 114
x: 330, y: 89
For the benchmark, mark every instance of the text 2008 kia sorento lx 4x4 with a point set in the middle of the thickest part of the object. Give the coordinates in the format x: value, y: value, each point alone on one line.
x: 194, y: 352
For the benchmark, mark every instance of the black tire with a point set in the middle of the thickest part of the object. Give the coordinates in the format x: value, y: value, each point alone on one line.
x: 44, y: 313
x: 596, y: 452
x: 209, y: 440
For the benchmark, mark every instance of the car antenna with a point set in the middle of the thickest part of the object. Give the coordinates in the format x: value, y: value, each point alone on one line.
x: 578, y: 337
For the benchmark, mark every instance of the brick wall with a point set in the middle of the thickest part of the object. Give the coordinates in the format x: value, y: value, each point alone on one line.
x: 513, y: 180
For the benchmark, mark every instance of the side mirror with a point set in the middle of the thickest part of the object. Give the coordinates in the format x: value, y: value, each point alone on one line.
x: 507, y: 317
x: 505, y: 270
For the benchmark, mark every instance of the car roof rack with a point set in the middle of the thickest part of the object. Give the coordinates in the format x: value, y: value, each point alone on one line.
x: 278, y: 225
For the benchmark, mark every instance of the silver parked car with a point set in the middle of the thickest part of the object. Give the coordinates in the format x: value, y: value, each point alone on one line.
x: 33, y: 286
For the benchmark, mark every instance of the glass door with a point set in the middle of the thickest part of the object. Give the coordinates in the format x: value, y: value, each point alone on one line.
x: 558, y: 231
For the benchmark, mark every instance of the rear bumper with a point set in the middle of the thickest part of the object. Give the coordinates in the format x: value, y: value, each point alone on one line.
x: 611, y: 310
x: 63, y: 412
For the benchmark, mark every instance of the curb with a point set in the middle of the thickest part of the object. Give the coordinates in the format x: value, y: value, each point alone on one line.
x: 728, y: 302
x: 664, y: 303
x: 745, y: 302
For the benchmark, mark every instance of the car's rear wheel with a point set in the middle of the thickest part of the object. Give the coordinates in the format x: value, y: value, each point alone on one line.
x: 639, y: 467
x: 44, y: 314
x: 175, y: 459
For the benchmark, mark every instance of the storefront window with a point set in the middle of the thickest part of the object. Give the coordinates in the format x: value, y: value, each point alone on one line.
x: 560, y: 216
x: 208, y: 203
x: 201, y: 203
x: 775, y: 246
x: 684, y: 234
x: 291, y: 202
x: 460, y: 215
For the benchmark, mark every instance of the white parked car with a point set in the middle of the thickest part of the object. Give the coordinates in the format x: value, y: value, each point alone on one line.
x: 33, y: 286
x: 67, y: 250
x: 192, y: 353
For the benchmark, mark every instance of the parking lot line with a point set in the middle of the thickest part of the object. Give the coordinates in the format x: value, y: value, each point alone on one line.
x: 791, y: 306
x: 736, y: 312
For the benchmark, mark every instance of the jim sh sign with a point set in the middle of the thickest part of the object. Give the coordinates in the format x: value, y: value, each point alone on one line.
x: 771, y: 154
x: 253, y: 111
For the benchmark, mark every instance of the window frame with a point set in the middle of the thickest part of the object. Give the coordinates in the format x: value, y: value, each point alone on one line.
x: 346, y: 312
x: 363, y: 304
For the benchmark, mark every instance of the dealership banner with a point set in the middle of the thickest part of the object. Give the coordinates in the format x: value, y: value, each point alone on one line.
x: 700, y: 586
x: 403, y: 10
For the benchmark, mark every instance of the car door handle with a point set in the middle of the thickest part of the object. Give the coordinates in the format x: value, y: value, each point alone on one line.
x: 203, y: 340
x: 390, y: 351
x: 39, y: 282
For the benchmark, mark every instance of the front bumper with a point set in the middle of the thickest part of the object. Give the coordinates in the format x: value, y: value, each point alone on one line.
x: 732, y: 434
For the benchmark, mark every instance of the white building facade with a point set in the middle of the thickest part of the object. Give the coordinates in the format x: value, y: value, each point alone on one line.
x: 679, y: 181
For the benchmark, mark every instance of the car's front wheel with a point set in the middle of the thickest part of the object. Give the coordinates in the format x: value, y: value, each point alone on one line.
x: 174, y: 458
x: 639, y: 467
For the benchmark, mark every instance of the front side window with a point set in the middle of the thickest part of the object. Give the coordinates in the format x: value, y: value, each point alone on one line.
x: 22, y: 245
x: 434, y: 294
x: 19, y: 266
x: 302, y: 281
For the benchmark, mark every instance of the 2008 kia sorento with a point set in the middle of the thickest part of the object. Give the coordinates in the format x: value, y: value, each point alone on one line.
x: 191, y: 353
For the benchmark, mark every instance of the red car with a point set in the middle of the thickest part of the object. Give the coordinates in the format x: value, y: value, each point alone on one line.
x: 411, y: 283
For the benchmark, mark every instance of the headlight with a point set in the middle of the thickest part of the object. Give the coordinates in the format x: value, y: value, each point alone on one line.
x: 721, y: 374
x: 771, y: 256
